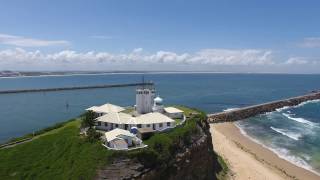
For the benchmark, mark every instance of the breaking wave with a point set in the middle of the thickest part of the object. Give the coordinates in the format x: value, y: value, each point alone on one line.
x: 230, y: 109
x: 299, y: 105
x: 300, y: 120
x: 281, y: 152
x: 291, y: 135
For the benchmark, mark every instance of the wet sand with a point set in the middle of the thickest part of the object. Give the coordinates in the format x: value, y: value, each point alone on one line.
x: 249, y: 160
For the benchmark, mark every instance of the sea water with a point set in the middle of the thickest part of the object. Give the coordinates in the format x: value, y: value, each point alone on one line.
x: 293, y: 133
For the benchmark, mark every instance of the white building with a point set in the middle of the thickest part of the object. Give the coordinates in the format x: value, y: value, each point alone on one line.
x: 144, y: 98
x: 120, y: 139
x: 155, y: 120
x: 105, y: 109
x: 173, y: 112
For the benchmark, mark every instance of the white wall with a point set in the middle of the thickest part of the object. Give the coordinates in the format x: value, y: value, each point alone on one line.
x: 175, y: 115
x: 122, y: 126
x: 144, y: 100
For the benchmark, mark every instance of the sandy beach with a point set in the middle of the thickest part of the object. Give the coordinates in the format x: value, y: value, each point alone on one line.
x: 249, y: 160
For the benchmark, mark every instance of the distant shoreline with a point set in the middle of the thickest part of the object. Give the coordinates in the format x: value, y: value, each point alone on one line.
x: 58, y: 74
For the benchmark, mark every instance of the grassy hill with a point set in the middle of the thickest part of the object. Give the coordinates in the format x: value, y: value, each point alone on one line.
x: 57, y: 154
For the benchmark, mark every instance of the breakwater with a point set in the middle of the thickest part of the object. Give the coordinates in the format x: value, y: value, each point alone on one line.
x: 73, y: 88
x: 246, y: 112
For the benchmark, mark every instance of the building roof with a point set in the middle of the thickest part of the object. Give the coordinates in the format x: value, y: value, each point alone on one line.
x: 115, y: 133
x: 123, y: 118
x: 106, y: 108
x: 152, y: 118
x: 116, y: 118
x: 172, y: 110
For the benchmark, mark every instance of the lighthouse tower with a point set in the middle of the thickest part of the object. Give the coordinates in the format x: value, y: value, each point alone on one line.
x: 145, y: 95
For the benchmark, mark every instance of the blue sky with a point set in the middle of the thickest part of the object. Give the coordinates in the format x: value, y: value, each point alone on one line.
x: 236, y: 36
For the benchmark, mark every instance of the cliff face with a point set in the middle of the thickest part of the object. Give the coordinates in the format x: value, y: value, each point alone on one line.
x: 195, y: 161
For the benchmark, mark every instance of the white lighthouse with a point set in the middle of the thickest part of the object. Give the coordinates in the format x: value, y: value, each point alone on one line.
x: 145, y: 95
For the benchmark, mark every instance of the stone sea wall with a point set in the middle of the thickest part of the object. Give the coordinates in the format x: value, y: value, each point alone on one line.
x: 243, y: 113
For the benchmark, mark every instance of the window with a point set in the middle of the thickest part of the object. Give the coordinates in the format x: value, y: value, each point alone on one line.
x: 106, y: 124
x: 99, y: 123
x: 116, y: 125
x: 160, y: 125
x: 168, y: 123
x: 139, y: 125
x: 148, y: 125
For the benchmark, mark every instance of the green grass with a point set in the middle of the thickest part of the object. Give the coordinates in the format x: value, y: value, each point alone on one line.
x: 223, y: 173
x: 42, y: 131
x: 58, y: 154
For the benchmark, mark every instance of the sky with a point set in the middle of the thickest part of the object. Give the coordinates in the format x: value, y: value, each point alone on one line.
x: 160, y: 35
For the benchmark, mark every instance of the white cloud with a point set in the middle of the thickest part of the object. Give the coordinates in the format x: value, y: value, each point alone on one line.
x: 296, y: 60
x: 234, y: 57
x: 301, y: 61
x: 29, y: 42
x: 310, y: 42
x: 227, y: 60
x: 204, y: 57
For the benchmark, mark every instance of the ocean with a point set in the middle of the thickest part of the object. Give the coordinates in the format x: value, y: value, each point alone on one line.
x: 292, y: 132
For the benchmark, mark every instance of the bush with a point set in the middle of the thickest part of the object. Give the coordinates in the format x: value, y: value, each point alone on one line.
x: 88, y: 119
x: 93, y: 135
x: 148, y: 157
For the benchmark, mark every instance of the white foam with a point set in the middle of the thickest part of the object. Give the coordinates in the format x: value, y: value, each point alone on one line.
x: 281, y: 153
x: 299, y: 105
x: 230, y: 109
x: 300, y: 120
x: 285, y: 154
x: 307, y: 102
x: 291, y: 135
x: 283, y: 108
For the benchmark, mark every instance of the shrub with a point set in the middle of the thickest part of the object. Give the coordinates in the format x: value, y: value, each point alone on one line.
x: 88, y: 119
x: 93, y: 135
x: 148, y: 157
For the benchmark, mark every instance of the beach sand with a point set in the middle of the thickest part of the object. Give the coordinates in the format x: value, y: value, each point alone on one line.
x: 249, y: 160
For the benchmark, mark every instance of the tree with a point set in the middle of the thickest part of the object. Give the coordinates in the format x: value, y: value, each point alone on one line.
x: 93, y: 135
x: 88, y: 119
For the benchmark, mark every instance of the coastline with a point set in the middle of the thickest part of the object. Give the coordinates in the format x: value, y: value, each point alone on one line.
x: 260, y: 162
x: 153, y: 72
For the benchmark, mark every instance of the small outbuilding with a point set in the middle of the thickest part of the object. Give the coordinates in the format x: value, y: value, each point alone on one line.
x: 173, y: 112
x: 120, y: 139
x: 145, y: 133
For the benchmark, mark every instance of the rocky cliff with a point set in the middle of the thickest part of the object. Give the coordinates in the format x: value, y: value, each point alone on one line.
x: 196, y: 160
